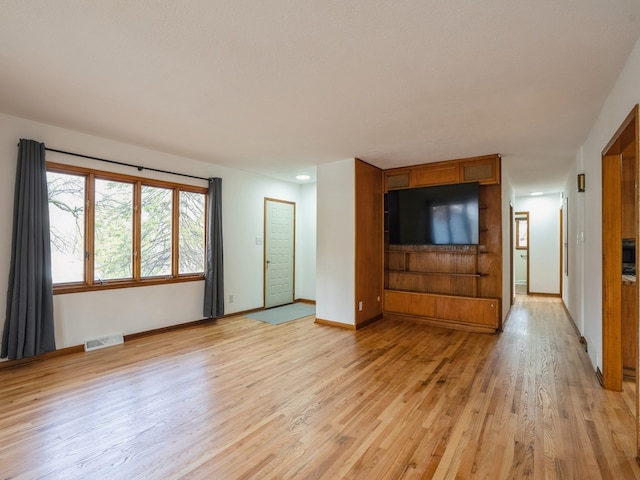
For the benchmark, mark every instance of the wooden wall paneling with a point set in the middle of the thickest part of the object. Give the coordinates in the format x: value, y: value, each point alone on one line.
x: 369, y: 251
x: 629, y: 169
x: 490, y: 260
x: 629, y: 294
x: 629, y: 328
x: 396, y: 260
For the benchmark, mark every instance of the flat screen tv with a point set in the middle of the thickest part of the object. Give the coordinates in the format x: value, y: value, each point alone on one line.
x: 439, y: 215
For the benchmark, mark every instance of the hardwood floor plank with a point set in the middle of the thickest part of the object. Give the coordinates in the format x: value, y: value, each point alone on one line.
x: 238, y: 398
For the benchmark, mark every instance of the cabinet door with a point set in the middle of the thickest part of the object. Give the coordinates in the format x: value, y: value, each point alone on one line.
x: 485, y: 171
x: 397, y: 180
x: 438, y: 174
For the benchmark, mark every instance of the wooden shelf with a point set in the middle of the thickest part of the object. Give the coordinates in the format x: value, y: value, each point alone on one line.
x: 446, y: 274
x: 443, y: 283
x: 424, y: 249
x: 427, y: 252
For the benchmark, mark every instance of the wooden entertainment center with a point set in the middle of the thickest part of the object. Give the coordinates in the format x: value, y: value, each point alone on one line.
x: 455, y: 286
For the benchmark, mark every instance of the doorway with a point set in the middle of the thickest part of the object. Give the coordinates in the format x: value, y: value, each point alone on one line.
x: 619, y: 253
x: 512, y: 281
x: 521, y: 253
x: 279, y: 252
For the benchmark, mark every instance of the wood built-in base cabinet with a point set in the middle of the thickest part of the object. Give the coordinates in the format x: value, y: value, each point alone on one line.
x: 465, y: 313
x: 457, y: 286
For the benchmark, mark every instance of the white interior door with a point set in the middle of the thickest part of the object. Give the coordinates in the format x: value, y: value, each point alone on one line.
x: 279, y: 252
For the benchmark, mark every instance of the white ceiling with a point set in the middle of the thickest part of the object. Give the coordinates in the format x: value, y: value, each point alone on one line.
x: 280, y: 86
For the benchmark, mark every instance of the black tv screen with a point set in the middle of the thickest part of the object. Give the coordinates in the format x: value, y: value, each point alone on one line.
x: 439, y: 215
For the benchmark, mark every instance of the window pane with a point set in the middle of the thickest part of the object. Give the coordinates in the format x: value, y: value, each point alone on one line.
x: 155, y: 242
x: 66, y: 218
x: 191, y: 239
x: 113, y: 230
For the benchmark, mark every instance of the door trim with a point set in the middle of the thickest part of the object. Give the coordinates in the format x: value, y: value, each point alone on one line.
x: 512, y: 291
x: 625, y: 136
x: 526, y: 214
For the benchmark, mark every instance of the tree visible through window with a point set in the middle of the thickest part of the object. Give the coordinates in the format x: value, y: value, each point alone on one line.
x: 155, y: 249
x: 122, y: 230
x: 113, y: 231
x: 191, y: 232
x: 66, y: 218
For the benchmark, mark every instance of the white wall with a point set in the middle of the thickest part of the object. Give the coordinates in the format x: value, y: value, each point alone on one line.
x: 544, y: 241
x: 508, y: 199
x: 335, y: 257
x: 624, y: 95
x: 84, y: 315
x: 306, y: 243
x: 573, y: 282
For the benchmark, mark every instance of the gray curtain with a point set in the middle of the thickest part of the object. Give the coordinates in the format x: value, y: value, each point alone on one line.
x: 214, y: 277
x: 28, y: 327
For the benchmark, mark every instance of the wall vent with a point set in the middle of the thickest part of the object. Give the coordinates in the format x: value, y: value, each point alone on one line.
x: 103, y: 342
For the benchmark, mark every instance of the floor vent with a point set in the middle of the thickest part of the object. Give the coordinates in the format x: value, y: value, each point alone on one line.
x: 102, y: 342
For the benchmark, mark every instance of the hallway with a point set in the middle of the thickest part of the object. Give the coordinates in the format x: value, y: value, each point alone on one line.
x: 583, y: 430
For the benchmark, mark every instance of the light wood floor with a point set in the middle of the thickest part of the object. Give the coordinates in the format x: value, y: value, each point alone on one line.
x: 240, y: 399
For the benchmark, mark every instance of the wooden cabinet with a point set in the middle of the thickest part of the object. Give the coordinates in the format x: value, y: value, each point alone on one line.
x: 397, y: 179
x: 484, y: 170
x: 475, y: 314
x: 436, y: 174
x: 459, y: 286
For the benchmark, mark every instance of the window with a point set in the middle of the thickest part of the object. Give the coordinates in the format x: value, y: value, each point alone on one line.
x: 66, y: 218
x: 192, y: 238
x: 522, y: 233
x: 111, y: 230
x: 155, y: 232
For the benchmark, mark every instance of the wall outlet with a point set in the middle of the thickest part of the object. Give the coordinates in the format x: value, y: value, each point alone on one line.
x: 231, y: 298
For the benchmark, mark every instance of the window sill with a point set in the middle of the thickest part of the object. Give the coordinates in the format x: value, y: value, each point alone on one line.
x: 113, y: 284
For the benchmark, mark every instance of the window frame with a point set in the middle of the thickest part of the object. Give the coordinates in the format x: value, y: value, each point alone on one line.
x: 89, y: 283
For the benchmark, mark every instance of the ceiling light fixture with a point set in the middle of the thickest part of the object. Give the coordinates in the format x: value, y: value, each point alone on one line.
x: 535, y: 194
x: 303, y: 177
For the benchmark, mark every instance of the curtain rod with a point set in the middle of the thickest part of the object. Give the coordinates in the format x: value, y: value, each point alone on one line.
x: 139, y: 167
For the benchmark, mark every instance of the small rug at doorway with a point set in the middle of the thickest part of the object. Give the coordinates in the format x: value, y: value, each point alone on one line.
x: 283, y: 314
